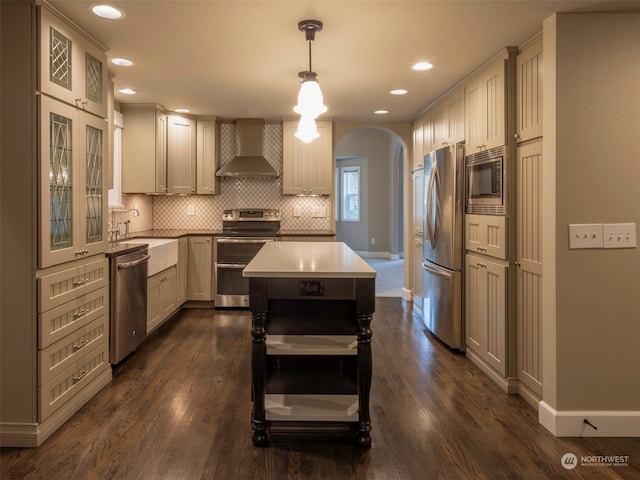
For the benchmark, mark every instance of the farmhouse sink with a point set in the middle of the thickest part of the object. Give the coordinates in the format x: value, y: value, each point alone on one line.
x: 163, y: 252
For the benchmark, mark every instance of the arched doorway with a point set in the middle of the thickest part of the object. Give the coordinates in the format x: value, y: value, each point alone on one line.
x: 370, y: 202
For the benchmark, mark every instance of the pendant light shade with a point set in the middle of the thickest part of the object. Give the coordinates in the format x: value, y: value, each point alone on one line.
x: 307, y: 130
x: 310, y: 100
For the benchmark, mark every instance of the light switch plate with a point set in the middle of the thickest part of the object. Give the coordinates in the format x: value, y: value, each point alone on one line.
x: 319, y: 212
x: 619, y: 235
x: 191, y: 210
x: 585, y: 235
x: 297, y: 211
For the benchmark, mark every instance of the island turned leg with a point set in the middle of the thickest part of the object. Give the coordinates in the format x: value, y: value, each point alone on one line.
x: 258, y: 378
x: 363, y: 438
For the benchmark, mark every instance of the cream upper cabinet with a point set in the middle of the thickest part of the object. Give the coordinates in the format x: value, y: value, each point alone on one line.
x: 72, y: 68
x: 447, y: 120
x: 307, y: 167
x: 485, y: 109
x: 486, y: 234
x: 181, y: 154
x: 418, y: 158
x: 485, y: 306
x: 422, y: 140
x: 144, y: 149
x: 73, y: 220
x: 529, y: 92
x: 427, y: 134
x: 207, y: 147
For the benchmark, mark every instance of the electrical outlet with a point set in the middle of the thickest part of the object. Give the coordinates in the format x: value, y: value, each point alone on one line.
x: 318, y: 212
x: 585, y: 235
x: 297, y: 211
x: 619, y: 235
x: 373, y: 241
x: 191, y: 210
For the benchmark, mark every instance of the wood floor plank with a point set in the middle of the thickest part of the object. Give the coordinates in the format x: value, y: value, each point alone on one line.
x: 180, y: 408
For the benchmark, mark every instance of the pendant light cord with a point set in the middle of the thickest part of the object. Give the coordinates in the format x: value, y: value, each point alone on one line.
x: 310, y: 56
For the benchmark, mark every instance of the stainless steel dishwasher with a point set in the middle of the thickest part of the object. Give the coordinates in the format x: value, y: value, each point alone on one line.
x: 128, y: 303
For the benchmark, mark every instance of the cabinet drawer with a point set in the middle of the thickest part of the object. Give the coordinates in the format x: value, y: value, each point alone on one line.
x: 60, y: 287
x: 72, y: 379
x: 313, y: 288
x: 55, y: 358
x: 61, y: 321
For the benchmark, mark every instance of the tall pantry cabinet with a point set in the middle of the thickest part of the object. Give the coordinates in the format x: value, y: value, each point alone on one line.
x: 529, y: 164
x: 54, y: 310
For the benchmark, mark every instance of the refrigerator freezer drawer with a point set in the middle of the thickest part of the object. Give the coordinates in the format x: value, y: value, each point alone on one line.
x: 443, y: 304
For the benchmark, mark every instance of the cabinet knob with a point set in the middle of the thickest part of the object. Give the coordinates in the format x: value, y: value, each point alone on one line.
x: 517, y: 136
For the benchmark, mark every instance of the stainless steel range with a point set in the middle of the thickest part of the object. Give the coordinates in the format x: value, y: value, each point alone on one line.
x: 245, y: 231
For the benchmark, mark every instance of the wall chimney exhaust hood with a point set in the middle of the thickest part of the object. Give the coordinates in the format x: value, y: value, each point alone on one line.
x: 249, y: 161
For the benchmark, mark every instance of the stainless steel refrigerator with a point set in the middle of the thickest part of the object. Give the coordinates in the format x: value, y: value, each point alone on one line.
x: 442, y: 265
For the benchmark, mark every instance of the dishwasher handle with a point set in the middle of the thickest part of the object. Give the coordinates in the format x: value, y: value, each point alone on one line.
x: 134, y: 263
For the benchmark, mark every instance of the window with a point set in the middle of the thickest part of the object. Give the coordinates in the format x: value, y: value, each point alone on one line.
x: 350, y: 194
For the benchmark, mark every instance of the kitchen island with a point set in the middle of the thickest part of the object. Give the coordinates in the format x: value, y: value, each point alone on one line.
x: 311, y: 308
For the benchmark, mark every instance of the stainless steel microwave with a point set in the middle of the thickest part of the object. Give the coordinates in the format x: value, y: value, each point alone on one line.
x: 485, y: 175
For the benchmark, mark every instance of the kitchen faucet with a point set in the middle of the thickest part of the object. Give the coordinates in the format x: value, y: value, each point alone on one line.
x: 115, y: 227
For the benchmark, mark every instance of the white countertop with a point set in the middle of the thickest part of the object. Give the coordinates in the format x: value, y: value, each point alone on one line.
x: 308, y: 260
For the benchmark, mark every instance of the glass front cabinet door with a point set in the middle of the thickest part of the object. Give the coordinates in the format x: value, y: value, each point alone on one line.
x: 71, y: 68
x: 72, y: 183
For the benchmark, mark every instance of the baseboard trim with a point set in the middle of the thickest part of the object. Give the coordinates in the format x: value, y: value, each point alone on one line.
x: 408, y: 295
x: 507, y: 385
x: 529, y: 395
x: 31, y: 435
x: 570, y: 423
x: 386, y: 255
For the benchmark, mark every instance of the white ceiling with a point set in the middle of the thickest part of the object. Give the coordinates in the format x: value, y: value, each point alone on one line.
x: 241, y: 58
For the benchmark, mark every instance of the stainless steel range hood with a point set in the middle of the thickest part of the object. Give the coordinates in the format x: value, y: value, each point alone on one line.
x: 249, y: 161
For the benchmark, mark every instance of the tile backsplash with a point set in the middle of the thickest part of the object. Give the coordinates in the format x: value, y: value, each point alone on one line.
x: 205, y: 211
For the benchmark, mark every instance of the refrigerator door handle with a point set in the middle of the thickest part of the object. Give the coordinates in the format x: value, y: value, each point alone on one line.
x: 428, y: 209
x: 436, y: 271
x: 433, y: 224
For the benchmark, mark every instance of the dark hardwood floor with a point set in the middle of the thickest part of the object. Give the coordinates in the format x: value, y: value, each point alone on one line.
x: 180, y: 408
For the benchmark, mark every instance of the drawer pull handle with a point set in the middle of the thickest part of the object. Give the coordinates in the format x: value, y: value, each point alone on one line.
x: 80, y: 345
x: 80, y: 377
x: 80, y: 313
x: 77, y: 283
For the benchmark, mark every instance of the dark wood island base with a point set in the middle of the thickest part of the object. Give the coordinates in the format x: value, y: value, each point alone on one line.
x: 311, y: 358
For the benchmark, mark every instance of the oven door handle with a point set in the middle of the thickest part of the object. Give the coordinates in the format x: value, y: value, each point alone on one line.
x: 244, y: 240
x: 238, y: 266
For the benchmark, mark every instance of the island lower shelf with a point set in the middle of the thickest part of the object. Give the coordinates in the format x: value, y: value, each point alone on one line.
x: 311, y: 408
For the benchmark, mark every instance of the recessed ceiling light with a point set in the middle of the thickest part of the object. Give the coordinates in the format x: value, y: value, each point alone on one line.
x: 422, y: 66
x: 399, y: 91
x: 107, y: 11
x: 381, y: 112
x: 182, y: 110
x: 128, y: 91
x: 123, y: 62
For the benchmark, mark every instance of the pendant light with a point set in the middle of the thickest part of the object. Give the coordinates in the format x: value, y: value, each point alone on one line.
x: 307, y: 130
x: 310, y: 101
